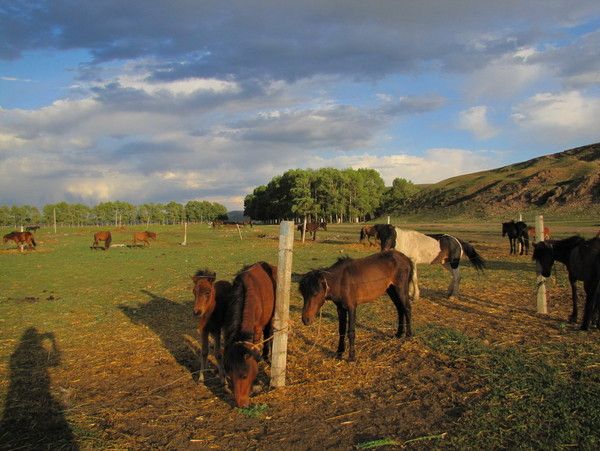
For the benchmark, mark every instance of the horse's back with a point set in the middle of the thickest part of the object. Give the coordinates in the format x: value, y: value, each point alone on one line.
x: 417, y: 246
x: 259, y: 282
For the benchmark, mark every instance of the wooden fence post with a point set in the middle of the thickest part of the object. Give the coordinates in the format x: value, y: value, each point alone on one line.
x: 184, y: 243
x: 55, y: 221
x: 541, y: 280
x: 303, y: 229
x: 282, y: 304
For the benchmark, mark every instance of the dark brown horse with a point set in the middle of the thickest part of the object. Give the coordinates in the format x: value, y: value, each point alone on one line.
x: 248, y: 327
x: 210, y: 305
x: 102, y: 236
x: 21, y: 238
x: 312, y: 227
x: 349, y: 283
x: 32, y: 228
x: 385, y: 233
x: 143, y: 237
x: 517, y: 233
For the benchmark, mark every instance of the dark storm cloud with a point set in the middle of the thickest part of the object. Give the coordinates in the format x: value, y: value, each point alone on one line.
x: 284, y: 40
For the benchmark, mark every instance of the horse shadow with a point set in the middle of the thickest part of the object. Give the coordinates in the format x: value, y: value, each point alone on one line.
x: 32, y: 418
x: 507, y: 265
x: 173, y: 322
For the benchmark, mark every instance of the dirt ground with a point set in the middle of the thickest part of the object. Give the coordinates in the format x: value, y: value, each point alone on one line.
x: 137, y: 387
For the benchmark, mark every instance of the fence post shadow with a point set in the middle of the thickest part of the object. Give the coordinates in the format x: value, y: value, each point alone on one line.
x: 32, y: 418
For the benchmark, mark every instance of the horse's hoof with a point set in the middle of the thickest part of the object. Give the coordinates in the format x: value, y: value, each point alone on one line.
x: 352, y: 358
x: 339, y: 355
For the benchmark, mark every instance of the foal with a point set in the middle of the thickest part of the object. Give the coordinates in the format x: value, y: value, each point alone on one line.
x: 210, y: 304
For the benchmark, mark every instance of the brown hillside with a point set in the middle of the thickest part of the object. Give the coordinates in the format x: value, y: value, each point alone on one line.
x: 566, y: 179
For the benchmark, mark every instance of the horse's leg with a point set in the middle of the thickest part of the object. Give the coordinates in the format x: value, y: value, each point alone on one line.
x: 573, y: 282
x: 342, y: 323
x: 204, y: 353
x: 351, y: 335
x: 394, y: 294
x: 522, y: 245
x: 267, y: 332
x: 454, y: 283
x: 588, y: 310
x: 414, y: 285
x: 219, y: 356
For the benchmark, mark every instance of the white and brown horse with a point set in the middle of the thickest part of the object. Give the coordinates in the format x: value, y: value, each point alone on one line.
x: 446, y: 250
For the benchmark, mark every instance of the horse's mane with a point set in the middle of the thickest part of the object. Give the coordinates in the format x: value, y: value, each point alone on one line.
x: 207, y: 273
x: 310, y: 283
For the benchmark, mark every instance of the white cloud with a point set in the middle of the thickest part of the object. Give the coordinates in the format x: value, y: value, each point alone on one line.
x: 565, y: 115
x: 436, y: 164
x: 475, y: 121
x: 505, y: 75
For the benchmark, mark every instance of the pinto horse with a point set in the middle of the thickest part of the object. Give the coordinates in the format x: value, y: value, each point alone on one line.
x: 21, y: 239
x: 102, y: 236
x: 312, y: 227
x: 210, y: 305
x: 579, y: 256
x: 446, y: 250
x: 248, y: 327
x: 350, y: 282
x: 143, y: 237
x: 517, y: 232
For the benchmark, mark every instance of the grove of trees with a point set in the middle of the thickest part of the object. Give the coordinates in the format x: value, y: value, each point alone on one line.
x: 329, y: 194
x: 116, y: 212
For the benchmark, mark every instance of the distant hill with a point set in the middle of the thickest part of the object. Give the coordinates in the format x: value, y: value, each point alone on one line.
x: 568, y: 179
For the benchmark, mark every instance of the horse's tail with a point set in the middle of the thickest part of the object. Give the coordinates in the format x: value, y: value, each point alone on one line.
x: 476, y: 260
x: 107, y: 241
x: 362, y: 234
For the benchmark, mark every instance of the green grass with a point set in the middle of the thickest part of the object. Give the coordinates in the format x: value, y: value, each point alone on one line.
x: 529, y: 403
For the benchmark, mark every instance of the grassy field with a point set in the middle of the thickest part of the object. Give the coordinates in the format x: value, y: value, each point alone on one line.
x: 98, y: 350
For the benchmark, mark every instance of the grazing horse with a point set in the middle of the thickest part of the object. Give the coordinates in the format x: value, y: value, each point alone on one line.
x: 210, y: 305
x: 385, y: 233
x: 579, y: 256
x: 21, y: 239
x: 102, y: 236
x: 531, y: 233
x: 32, y: 228
x: 312, y: 227
x: 143, y: 237
x: 446, y: 250
x: 350, y: 282
x: 517, y: 232
x: 248, y: 327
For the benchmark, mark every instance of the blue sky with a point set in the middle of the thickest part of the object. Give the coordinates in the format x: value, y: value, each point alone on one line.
x: 152, y: 101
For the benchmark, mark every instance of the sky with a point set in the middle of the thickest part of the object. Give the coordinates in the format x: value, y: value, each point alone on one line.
x: 160, y: 100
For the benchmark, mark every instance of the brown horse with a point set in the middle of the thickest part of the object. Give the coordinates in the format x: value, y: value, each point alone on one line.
x: 210, y: 305
x: 248, y: 327
x: 102, y: 236
x: 21, y: 239
x: 531, y: 231
x: 349, y: 283
x: 143, y: 237
x: 312, y: 227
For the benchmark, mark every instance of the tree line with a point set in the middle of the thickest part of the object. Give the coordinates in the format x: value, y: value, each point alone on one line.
x: 116, y: 212
x: 328, y: 194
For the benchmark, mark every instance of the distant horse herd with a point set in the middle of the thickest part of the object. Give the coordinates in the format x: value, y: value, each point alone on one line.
x: 241, y: 312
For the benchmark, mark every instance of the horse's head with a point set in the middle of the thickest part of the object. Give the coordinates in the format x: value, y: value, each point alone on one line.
x: 505, y: 226
x: 543, y: 255
x: 314, y: 289
x: 204, y: 292
x: 241, y: 368
x: 151, y: 235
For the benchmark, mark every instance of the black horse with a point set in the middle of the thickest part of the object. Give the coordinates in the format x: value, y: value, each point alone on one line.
x: 582, y: 259
x: 517, y: 232
x: 385, y: 233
